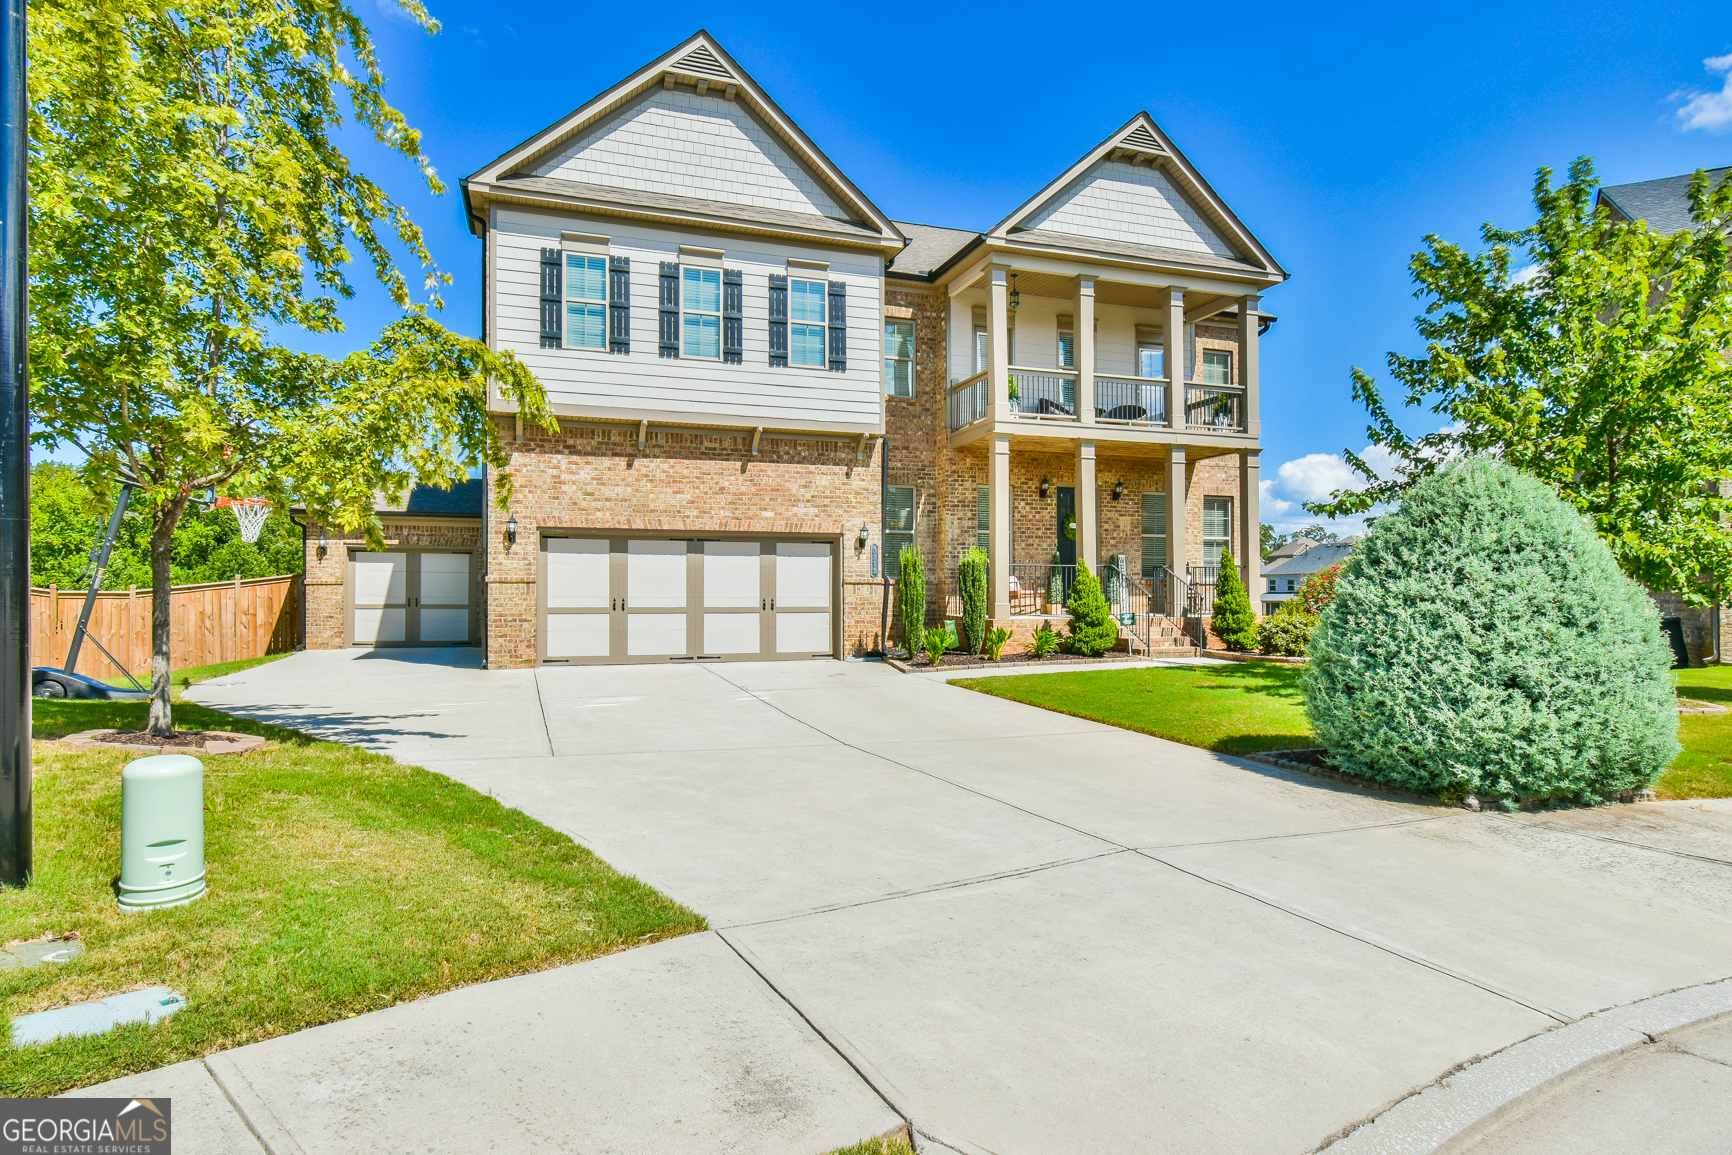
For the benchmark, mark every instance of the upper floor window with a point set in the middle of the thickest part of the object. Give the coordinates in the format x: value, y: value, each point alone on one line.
x: 585, y: 301
x: 701, y: 312
x: 1066, y: 349
x: 806, y: 323
x: 899, y: 358
x: 1217, y: 367
x: 980, y: 350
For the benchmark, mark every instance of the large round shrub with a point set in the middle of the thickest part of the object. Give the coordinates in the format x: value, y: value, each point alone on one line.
x: 1483, y: 641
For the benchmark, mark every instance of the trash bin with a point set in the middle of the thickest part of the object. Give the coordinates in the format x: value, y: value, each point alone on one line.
x: 161, y: 832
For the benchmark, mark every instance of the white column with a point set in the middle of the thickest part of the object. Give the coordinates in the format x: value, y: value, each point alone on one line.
x: 1248, y: 361
x: 998, y: 342
x: 1175, y: 357
x: 1088, y: 516
x: 1085, y: 350
x: 1251, y: 525
x: 1178, y: 552
x: 998, y: 493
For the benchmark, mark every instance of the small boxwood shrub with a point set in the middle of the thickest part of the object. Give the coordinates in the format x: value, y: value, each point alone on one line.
x: 1093, y: 629
x: 1483, y: 641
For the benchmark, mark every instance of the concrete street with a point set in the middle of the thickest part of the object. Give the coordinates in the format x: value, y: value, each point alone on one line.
x: 1019, y: 931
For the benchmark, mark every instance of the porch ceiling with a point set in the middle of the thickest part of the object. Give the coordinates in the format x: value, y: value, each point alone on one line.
x: 1197, y: 304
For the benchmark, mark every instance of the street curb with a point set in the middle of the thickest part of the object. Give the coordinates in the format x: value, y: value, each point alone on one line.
x: 1464, y: 1104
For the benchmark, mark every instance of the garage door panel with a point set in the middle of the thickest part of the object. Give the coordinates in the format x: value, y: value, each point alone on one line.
x: 376, y: 625
x: 733, y: 576
x: 578, y: 574
x: 732, y: 634
x: 381, y: 578
x: 802, y: 574
x: 655, y: 635
x: 445, y: 579
x: 655, y: 575
x: 579, y: 635
x: 802, y: 633
x: 444, y: 625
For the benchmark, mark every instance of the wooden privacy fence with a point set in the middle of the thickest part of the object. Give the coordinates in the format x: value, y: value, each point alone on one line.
x: 214, y: 622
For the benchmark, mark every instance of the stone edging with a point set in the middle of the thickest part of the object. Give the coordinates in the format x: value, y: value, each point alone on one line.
x: 216, y: 742
x: 1468, y: 1102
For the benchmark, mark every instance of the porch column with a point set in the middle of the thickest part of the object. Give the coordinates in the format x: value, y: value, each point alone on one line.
x: 1088, y: 519
x: 1248, y: 361
x: 1250, y: 550
x: 1085, y: 350
x: 1177, y: 550
x: 998, y: 493
x: 998, y: 343
x: 1174, y: 356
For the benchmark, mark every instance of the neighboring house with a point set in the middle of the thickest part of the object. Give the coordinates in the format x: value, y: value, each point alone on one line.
x: 1665, y: 205
x: 765, y: 387
x: 1282, y: 578
x: 1291, y: 549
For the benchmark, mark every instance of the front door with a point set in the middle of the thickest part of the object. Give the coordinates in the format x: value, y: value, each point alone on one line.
x: 1066, y: 520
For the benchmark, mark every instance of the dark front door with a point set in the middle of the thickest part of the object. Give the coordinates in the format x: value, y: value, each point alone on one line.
x: 1066, y: 517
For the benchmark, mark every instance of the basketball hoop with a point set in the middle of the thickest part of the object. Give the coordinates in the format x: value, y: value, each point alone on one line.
x: 251, y: 512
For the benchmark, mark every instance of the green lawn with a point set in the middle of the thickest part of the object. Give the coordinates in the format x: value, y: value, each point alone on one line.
x: 340, y: 882
x: 1242, y: 709
x: 193, y: 675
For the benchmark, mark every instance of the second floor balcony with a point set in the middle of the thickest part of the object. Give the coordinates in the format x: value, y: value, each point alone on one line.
x: 1047, y: 395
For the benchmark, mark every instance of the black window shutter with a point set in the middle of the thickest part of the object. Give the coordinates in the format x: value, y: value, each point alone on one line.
x: 733, y: 334
x: 670, y: 319
x: 550, y: 293
x: 619, y: 305
x: 778, y: 320
x: 838, y: 313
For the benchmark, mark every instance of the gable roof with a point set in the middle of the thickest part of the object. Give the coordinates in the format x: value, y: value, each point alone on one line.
x: 1663, y: 203
x: 1318, y: 557
x: 702, y: 66
x: 1140, y: 143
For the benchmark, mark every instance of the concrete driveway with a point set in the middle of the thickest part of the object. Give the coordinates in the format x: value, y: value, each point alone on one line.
x: 1020, y: 931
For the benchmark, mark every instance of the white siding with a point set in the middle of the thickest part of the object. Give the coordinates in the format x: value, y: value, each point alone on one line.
x: 705, y: 391
x: 1115, y: 201
x: 689, y: 145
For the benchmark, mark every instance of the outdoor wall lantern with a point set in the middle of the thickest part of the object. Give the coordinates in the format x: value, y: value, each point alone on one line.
x: 1045, y: 487
x: 511, y: 531
x: 323, y: 549
x: 1015, y: 296
x: 865, y: 532
x: 1119, y: 489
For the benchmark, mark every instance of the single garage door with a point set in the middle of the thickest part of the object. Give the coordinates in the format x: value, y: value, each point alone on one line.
x: 410, y: 598
x: 612, y: 599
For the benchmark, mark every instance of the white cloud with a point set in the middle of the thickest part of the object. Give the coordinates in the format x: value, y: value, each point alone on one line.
x: 1313, y: 478
x: 1709, y: 110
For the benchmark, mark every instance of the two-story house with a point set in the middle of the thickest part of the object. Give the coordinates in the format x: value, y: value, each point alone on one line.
x: 766, y: 387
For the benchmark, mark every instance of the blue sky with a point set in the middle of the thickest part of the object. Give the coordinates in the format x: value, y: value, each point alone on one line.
x: 1340, y: 137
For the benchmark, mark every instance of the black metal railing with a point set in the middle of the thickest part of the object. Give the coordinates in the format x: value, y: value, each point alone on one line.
x: 1036, y: 586
x: 968, y: 401
x: 1215, y: 407
x: 1044, y: 393
x: 1133, y: 400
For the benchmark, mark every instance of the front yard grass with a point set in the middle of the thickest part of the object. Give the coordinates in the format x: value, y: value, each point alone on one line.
x: 1243, y: 709
x: 340, y: 882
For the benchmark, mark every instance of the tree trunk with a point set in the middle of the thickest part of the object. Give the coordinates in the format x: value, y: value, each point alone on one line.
x: 161, y: 618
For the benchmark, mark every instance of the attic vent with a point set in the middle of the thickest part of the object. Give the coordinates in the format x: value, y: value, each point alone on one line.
x: 1141, y: 137
x: 700, y: 61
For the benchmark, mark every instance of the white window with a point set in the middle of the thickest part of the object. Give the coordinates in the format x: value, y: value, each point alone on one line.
x: 1217, y: 367
x: 898, y: 526
x: 806, y: 323
x: 1217, y: 528
x: 899, y: 358
x: 701, y: 312
x: 980, y: 350
x: 585, y: 302
x: 1272, y: 585
x: 1151, y: 361
x: 1289, y: 585
x: 1066, y: 349
x: 1154, y: 532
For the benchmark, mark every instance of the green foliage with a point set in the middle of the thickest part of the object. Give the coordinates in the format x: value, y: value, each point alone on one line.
x: 66, y: 520
x: 1287, y: 631
x: 1234, y: 621
x: 1013, y: 393
x: 1045, y: 641
x: 935, y: 642
x: 1055, y: 581
x: 971, y: 575
x: 1482, y: 638
x: 911, y: 596
x: 1318, y: 590
x: 1092, y: 628
x: 995, y: 639
x: 1598, y: 369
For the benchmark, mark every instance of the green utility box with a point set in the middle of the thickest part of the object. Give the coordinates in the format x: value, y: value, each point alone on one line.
x: 161, y: 832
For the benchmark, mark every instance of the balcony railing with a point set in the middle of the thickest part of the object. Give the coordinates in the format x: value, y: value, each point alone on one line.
x: 1044, y: 394
x: 1131, y: 400
x: 969, y: 401
x: 1217, y: 407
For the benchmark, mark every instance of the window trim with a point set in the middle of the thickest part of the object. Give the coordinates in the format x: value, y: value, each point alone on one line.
x: 1218, y: 353
x: 1227, y: 539
x: 687, y: 278
x: 889, y: 323
x: 581, y: 252
x: 822, y: 325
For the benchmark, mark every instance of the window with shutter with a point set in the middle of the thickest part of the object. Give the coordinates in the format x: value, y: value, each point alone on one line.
x: 669, y: 334
x: 733, y: 320
x: 1066, y: 342
x: 701, y: 313
x: 550, y: 299
x: 898, y: 526
x: 838, y: 327
x: 779, y: 320
x: 899, y: 358
x: 806, y: 323
x: 619, y: 305
x: 983, y: 518
x: 585, y: 301
x: 1154, y: 532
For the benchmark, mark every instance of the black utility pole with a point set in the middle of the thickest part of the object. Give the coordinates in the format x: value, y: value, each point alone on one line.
x: 15, y: 840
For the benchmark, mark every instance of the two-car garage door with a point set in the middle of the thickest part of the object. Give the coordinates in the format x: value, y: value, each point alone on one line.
x: 631, y: 599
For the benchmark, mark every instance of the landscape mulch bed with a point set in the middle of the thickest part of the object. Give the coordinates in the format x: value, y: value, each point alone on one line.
x: 1026, y: 658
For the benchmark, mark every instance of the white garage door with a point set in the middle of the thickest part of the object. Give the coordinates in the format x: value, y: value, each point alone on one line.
x: 410, y: 598
x: 614, y: 599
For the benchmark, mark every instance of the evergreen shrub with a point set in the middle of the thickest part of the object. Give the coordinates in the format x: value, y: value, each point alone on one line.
x: 1286, y: 632
x: 1092, y: 628
x: 911, y: 597
x: 1482, y: 640
x: 1234, y: 621
x: 971, y: 577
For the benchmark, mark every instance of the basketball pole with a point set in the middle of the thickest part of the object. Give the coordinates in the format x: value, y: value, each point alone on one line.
x: 15, y: 818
